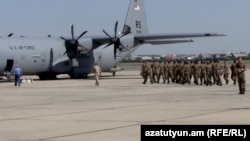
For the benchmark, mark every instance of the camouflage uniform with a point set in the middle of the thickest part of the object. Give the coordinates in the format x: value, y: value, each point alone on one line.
x: 186, y: 69
x: 147, y: 72
x: 219, y: 73
x: 154, y: 71
x: 209, y: 73
x: 160, y: 72
x: 170, y: 72
x: 143, y: 66
x: 226, y: 72
x: 233, y: 72
x: 196, y: 72
x: 175, y: 71
x: 165, y: 72
x: 203, y: 73
x: 241, y: 68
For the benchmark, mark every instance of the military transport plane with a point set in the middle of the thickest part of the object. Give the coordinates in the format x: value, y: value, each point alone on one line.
x: 48, y: 57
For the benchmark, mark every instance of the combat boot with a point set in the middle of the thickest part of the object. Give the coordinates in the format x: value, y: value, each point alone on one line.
x: 243, y: 90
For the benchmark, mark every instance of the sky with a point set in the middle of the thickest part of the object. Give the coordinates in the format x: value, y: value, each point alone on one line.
x: 38, y: 18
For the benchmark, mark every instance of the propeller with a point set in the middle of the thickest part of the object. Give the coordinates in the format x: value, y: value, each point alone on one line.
x: 114, y: 40
x: 72, y: 44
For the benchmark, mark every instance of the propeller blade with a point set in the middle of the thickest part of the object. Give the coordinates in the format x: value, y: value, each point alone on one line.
x: 72, y: 31
x: 63, y: 38
x: 116, y: 26
x: 114, y: 52
x: 81, y: 35
x: 107, y: 34
x: 65, y: 52
x: 108, y: 45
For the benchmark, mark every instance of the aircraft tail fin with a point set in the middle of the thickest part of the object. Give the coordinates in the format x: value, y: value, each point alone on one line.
x: 136, y: 22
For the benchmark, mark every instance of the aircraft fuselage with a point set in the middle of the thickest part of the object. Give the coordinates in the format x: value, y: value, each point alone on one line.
x: 45, y: 57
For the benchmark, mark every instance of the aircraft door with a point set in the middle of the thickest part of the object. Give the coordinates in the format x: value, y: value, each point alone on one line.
x: 43, y: 59
x: 8, y: 67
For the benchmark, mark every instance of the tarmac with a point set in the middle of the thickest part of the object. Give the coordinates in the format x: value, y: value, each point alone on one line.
x: 77, y: 110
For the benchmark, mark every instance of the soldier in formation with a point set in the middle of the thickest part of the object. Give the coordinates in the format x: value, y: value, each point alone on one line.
x: 204, y: 72
x: 146, y: 71
x: 241, y: 68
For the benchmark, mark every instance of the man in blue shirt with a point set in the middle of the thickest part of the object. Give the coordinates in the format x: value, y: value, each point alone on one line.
x: 18, y: 74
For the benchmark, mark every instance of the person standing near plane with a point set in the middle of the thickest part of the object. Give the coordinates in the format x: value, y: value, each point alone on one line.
x: 241, y: 68
x: 97, y: 73
x: 17, y: 74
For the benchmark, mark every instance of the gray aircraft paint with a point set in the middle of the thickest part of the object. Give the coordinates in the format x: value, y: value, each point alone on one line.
x: 46, y: 56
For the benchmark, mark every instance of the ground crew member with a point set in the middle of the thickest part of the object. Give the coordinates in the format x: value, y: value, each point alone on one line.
x: 97, y: 74
x: 17, y: 74
x: 226, y: 72
x: 233, y: 72
x: 241, y: 68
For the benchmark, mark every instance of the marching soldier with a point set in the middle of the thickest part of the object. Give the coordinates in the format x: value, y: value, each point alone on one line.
x: 165, y: 72
x: 219, y: 73
x: 203, y: 73
x: 214, y: 72
x: 143, y: 68
x: 186, y: 69
x: 147, y: 72
x: 160, y: 71
x: 233, y: 72
x: 181, y: 77
x: 178, y: 71
x: 174, y: 71
x: 154, y: 71
x: 209, y: 73
x: 171, y: 69
x: 196, y: 72
x: 226, y: 72
x: 241, y: 68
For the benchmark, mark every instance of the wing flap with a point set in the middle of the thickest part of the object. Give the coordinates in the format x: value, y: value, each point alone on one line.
x: 159, y: 42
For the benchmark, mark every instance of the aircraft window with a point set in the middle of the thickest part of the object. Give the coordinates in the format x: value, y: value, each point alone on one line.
x: 35, y: 61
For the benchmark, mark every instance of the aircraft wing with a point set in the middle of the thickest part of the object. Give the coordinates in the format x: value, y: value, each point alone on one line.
x: 173, y: 36
x: 156, y: 39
